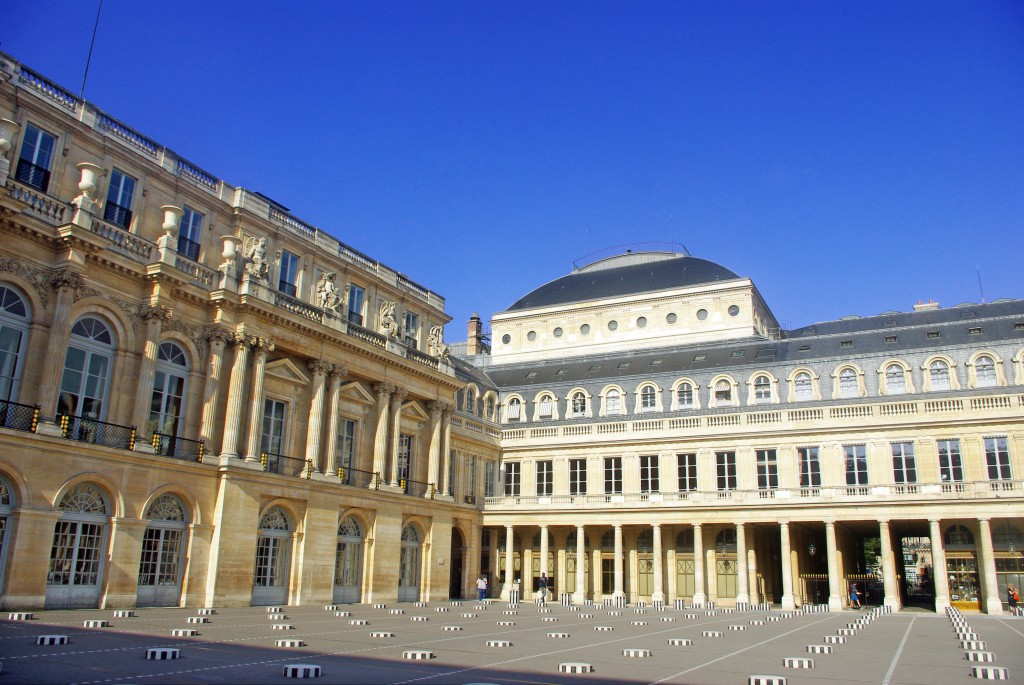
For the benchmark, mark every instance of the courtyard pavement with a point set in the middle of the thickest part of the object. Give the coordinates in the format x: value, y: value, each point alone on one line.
x: 469, y: 642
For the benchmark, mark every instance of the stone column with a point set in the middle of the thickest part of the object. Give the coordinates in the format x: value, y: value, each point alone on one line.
x: 334, y: 393
x: 446, y: 451
x: 314, y: 430
x: 510, y: 571
x: 397, y: 397
x: 380, y: 438
x: 788, y: 603
x: 492, y: 562
x: 940, y: 579
x: 544, y: 553
x: 436, y: 408
x: 892, y: 595
x: 619, y: 585
x: 236, y: 396
x: 987, y: 569
x: 835, y: 579
x: 699, y: 596
x: 658, y: 592
x: 65, y: 284
x: 154, y: 318
x: 742, y: 583
x: 262, y: 347
x: 216, y: 338
x: 581, y: 566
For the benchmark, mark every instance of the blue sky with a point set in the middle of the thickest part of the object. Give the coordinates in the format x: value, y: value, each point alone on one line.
x: 849, y: 157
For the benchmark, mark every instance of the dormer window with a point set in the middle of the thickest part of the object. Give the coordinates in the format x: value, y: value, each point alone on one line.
x: 762, y: 389
x: 803, y: 387
x: 648, y: 399
x: 579, y: 405
x: 545, y: 407
x: 613, y: 402
x: 939, y: 373
x: 723, y: 391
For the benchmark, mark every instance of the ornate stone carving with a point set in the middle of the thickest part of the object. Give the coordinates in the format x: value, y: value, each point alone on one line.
x: 147, y: 314
x: 256, y: 264
x: 191, y: 331
x: 338, y: 370
x: 39, y: 279
x: 383, y: 389
x: 439, y: 406
x: 435, y: 343
x: 327, y: 293
x: 67, y: 279
x: 217, y: 334
x: 388, y: 323
x: 320, y: 366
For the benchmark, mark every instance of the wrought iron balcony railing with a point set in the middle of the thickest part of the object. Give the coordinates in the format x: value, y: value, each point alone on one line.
x: 21, y: 417
x: 178, y: 448
x: 32, y: 175
x: 97, y: 432
x: 189, y: 249
x: 117, y: 215
x: 417, y: 488
x: 286, y: 466
x: 358, y: 478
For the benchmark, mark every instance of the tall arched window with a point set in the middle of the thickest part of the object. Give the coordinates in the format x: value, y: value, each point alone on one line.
x: 985, y: 372
x: 470, y: 401
x: 163, y: 547
x: 648, y: 398
x: 273, y: 558
x: 848, y: 386
x: 514, y: 410
x: 348, y: 561
x: 168, y: 396
x: 14, y: 318
x: 83, y: 388
x: 938, y: 370
x: 579, y: 405
x: 409, y: 565
x: 895, y: 380
x: 76, y: 557
x: 684, y: 395
x: 545, y: 407
x: 613, y: 402
x: 723, y: 391
x: 762, y: 389
x: 803, y: 387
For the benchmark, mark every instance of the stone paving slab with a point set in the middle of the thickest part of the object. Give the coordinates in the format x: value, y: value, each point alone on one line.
x: 239, y: 646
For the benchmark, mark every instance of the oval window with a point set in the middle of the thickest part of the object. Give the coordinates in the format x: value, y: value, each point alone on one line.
x: 641, y: 322
x: 671, y: 318
x: 558, y: 332
x: 702, y: 314
x: 613, y: 325
x: 531, y: 336
x: 734, y: 310
x: 506, y: 339
x: 585, y: 329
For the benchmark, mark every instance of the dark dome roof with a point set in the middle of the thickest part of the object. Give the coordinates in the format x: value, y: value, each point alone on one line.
x: 606, y: 280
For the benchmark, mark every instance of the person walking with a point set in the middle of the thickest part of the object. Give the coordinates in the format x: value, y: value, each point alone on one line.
x: 854, y: 596
x: 1012, y: 597
x: 542, y: 587
x: 481, y: 587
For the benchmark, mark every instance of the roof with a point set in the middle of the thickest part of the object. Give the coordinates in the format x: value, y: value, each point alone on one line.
x: 628, y: 274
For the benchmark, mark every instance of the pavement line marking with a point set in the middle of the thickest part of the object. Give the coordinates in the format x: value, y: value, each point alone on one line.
x: 1003, y: 621
x: 899, y: 651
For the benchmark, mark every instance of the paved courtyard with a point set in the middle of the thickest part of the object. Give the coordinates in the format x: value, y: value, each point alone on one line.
x: 472, y: 643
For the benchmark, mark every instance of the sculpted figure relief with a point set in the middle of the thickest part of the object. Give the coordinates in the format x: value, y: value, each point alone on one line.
x: 256, y: 259
x: 388, y: 324
x: 327, y: 293
x: 435, y: 343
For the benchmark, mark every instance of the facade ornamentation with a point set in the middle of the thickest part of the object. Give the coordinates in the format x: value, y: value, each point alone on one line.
x: 316, y: 366
x: 38, y: 278
x: 388, y: 323
x: 435, y: 343
x: 327, y: 293
x: 256, y: 264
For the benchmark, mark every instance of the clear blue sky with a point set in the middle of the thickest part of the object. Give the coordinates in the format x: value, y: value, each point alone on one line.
x: 849, y: 157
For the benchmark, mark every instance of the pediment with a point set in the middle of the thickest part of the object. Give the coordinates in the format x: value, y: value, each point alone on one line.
x: 286, y: 370
x: 354, y: 391
x: 412, y: 410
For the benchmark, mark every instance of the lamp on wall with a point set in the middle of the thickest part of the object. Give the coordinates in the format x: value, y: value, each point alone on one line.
x: 811, y: 549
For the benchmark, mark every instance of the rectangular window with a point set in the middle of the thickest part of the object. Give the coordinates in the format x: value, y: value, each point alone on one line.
x: 725, y: 464
x: 997, y: 457
x: 767, y: 470
x: 452, y: 465
x: 190, y: 233
x: 36, y: 156
x: 613, y: 475
x: 356, y: 296
x: 686, y: 465
x: 512, y: 477
x: 684, y: 396
x: 470, y: 479
x: 489, y: 479
x: 810, y: 468
x: 404, y: 456
x: 545, y: 478
x: 856, y: 464
x: 904, y: 466
x: 412, y: 329
x: 577, y: 476
x: 120, y: 192
x: 274, y: 413
x: 346, y: 443
x: 951, y: 469
x: 289, y: 273
x: 649, y: 477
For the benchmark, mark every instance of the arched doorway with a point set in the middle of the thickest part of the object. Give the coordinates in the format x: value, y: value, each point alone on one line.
x: 348, y: 562
x: 163, y: 548
x: 962, y: 568
x: 455, y: 585
x: 273, y: 559
x: 6, y: 503
x: 79, y: 548
x: 409, y: 565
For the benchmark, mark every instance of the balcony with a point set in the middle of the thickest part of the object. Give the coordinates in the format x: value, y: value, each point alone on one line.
x: 84, y: 429
x: 188, y: 249
x: 178, y: 448
x: 32, y: 175
x: 19, y: 417
x: 415, y: 488
x: 117, y: 215
x: 286, y: 466
x: 358, y: 478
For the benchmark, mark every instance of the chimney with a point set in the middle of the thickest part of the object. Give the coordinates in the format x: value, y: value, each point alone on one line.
x: 474, y: 335
x: 925, y: 306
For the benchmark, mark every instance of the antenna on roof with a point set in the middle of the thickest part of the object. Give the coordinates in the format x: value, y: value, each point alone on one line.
x: 981, y: 290
x: 91, y: 43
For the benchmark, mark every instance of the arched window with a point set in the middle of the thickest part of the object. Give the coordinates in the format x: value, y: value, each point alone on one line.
x: 348, y: 561
x: 273, y: 558
x: 490, y: 408
x: 723, y: 391
x: 83, y: 388
x: 76, y: 557
x: 13, y: 333
x: 959, y: 536
x: 613, y: 402
x: 608, y: 541
x: 684, y: 395
x: 168, y: 397
x: 579, y: 405
x: 409, y: 565
x: 848, y: 386
x: 684, y: 541
x: 645, y: 542
x: 470, y: 401
x: 803, y: 387
x: 762, y: 389
x: 985, y: 372
x: 939, y: 373
x: 514, y: 410
x: 895, y: 380
x: 648, y: 398
x: 545, y: 407
x: 163, y: 546
x: 726, y: 539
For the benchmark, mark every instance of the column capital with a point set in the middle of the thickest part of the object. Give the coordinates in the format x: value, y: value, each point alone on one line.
x: 383, y: 389
x: 399, y: 394
x: 318, y: 367
x: 67, y: 278
x: 155, y: 314
x: 439, y: 406
x: 983, y: 519
x: 218, y: 335
x: 338, y: 371
x: 264, y: 345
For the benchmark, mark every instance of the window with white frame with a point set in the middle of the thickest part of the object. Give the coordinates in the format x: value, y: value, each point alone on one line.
x: 686, y: 471
x: 346, y: 447
x: 951, y: 468
x: 938, y: 372
x: 904, y: 464
x: 190, y: 233
x: 118, y: 209
x: 471, y: 479
x: 490, y: 479
x: 514, y: 409
x: 356, y: 300
x: 803, y: 387
x: 767, y: 469
x: 895, y: 379
x: 856, y: 464
x: 985, y: 372
x: 684, y: 395
x: 810, y: 467
x: 762, y: 389
x: 36, y: 157
x: 289, y: 276
x: 168, y: 395
x: 275, y: 413
x: 405, y: 458
x: 997, y: 458
x: 848, y: 386
x: 579, y: 405
x: 725, y: 466
x: 412, y: 329
x: 577, y: 476
x: 470, y: 397
x: 648, y: 398
x: 723, y: 391
x: 649, y: 474
x: 14, y: 318
x: 613, y: 402
x: 613, y: 475
x: 512, y: 478
x: 84, y: 383
x: 545, y: 407
x: 545, y: 477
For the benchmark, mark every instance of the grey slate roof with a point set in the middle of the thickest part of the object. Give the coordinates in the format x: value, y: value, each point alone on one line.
x: 586, y: 284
